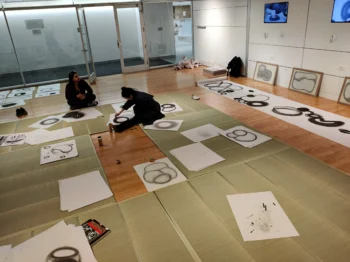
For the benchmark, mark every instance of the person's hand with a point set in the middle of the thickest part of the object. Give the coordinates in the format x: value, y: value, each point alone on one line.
x: 117, y: 114
x: 81, y: 96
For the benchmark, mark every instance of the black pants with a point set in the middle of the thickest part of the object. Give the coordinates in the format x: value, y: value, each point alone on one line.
x: 77, y: 103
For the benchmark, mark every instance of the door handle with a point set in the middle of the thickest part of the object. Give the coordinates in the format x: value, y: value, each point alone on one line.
x: 118, y: 44
x: 84, y: 50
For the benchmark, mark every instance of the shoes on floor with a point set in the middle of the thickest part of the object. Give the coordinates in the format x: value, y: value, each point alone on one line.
x: 21, y: 112
x: 195, y: 97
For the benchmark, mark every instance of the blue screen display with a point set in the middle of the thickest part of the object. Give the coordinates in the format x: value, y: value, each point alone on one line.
x: 276, y: 13
x: 341, y: 11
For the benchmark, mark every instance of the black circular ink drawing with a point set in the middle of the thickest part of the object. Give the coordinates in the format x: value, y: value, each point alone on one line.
x: 168, y: 107
x: 9, y: 104
x: 253, y: 100
x: 165, y: 124
x: 47, y: 147
x: 62, y: 149
x: 257, y: 103
x: 286, y: 111
x: 46, y: 157
x: 159, y: 173
x: 242, y: 136
x: 120, y: 119
x: 344, y: 131
x: 20, y: 94
x: 15, y: 139
x: 303, y: 109
x: 252, y: 91
x: 223, y: 88
x: 74, y: 114
x: 250, y: 95
x: 321, y: 122
x: 49, y: 121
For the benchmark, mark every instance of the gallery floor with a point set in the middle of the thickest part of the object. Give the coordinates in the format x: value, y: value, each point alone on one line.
x: 190, y: 221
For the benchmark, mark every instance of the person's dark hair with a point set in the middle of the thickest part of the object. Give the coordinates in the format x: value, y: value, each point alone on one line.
x: 71, y: 75
x: 127, y: 92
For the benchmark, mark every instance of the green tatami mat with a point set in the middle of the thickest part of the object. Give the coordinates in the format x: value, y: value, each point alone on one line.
x: 117, y: 246
x: 213, y: 189
x: 318, y: 237
x: 40, y: 213
x: 210, y: 239
x: 29, y: 158
x: 321, y: 173
x: 154, y: 237
x: 316, y: 197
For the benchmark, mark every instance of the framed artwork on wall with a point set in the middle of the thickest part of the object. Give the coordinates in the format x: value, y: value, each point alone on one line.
x: 344, y: 97
x: 265, y: 72
x: 306, y: 81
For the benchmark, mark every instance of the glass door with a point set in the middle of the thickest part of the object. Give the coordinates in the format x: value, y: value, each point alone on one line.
x: 90, y: 67
x: 131, y: 38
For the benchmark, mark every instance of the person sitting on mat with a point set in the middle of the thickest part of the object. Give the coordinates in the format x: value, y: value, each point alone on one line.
x: 146, y: 109
x: 78, y: 93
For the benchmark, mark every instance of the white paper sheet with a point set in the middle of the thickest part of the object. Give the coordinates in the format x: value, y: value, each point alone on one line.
x: 47, y: 122
x: 4, y: 251
x: 21, y: 95
x: 196, y: 156
x: 3, y: 94
x: 2, y: 101
x: 171, y: 107
x: 13, y: 139
x: 159, y: 174
x: 12, y: 102
x: 123, y: 117
x: 57, y: 152
x: 165, y: 125
x: 245, y: 136
x: 202, y: 133
x: 317, y: 121
x: 49, y: 88
x: 40, y: 136
x: 118, y: 106
x: 20, y: 90
x: 80, y: 191
x: 48, y: 93
x: 40, y: 246
x: 90, y: 113
x: 259, y: 216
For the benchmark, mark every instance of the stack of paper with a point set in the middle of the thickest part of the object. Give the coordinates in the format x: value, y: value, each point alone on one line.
x: 39, y: 247
x: 40, y: 136
x: 245, y: 136
x: 23, y: 93
x: 12, y: 102
x: 196, y: 157
x: 90, y: 113
x: 202, y: 133
x: 80, y: 191
x: 4, y: 251
x: 48, y: 90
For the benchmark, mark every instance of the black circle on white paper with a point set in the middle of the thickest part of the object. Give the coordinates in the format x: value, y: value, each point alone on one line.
x: 321, y: 122
x: 47, y: 147
x: 120, y: 119
x: 165, y: 124
x: 49, y: 121
x: 168, y: 107
x: 46, y: 157
x: 286, y: 111
x: 257, y: 103
x: 242, y: 136
x: 344, y: 131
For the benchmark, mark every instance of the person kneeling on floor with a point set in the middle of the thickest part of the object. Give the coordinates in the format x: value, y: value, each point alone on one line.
x: 146, y: 109
x: 78, y: 93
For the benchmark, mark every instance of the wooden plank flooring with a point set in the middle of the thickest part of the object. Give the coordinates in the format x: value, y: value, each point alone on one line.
x: 126, y: 146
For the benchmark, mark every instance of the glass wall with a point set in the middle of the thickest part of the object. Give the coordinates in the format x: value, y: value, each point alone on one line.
x: 47, y: 42
x: 168, y: 32
x: 9, y: 68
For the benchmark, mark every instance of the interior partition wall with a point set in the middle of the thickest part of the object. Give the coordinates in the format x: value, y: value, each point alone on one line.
x: 168, y: 32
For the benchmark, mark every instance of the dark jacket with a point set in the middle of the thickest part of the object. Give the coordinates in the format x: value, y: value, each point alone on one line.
x: 71, y: 92
x: 146, y: 109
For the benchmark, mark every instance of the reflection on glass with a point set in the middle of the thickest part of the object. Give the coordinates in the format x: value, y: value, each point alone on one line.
x: 168, y: 32
x: 47, y: 42
x: 130, y: 36
x: 9, y: 68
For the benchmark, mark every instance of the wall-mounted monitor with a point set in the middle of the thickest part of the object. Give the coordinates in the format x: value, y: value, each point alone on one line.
x: 276, y: 12
x: 341, y: 11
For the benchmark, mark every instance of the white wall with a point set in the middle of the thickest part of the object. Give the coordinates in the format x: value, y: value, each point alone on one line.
x: 225, y: 33
x: 159, y: 42
x: 303, y: 42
